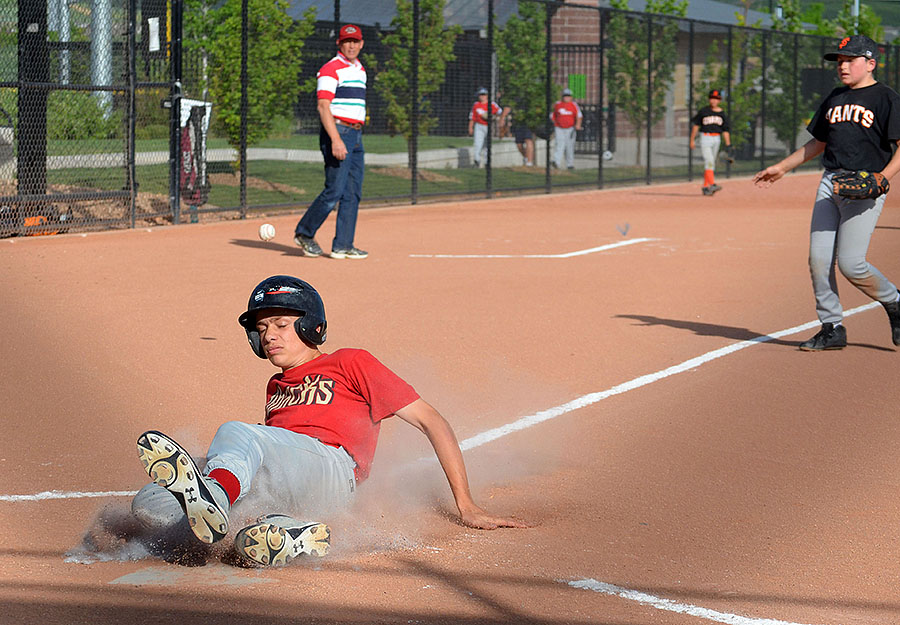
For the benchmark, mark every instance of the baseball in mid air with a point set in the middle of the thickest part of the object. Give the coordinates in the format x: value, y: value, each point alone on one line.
x: 267, y: 232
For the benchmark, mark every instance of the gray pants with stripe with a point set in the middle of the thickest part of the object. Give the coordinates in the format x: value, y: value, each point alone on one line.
x: 840, y: 232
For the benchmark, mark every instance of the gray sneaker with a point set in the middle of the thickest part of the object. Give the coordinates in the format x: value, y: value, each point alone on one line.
x: 308, y: 245
x: 276, y: 539
x: 353, y: 252
x: 203, y: 500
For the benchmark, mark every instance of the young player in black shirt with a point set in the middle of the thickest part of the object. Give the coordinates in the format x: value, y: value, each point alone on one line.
x: 857, y: 127
x: 712, y: 124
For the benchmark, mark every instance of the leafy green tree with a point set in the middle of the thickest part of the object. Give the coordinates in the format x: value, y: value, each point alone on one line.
x: 523, y: 69
x: 744, y: 69
x: 275, y: 49
x: 631, y: 66
x: 787, y: 108
x: 869, y: 21
x: 435, y: 51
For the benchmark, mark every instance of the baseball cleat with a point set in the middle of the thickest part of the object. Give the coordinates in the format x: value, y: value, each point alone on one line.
x: 893, y: 313
x: 276, y: 539
x: 202, y: 499
x: 829, y: 337
x: 707, y: 191
x: 713, y: 188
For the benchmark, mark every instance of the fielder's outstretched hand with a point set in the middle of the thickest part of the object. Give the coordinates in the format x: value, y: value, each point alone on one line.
x: 479, y: 519
x: 766, y: 177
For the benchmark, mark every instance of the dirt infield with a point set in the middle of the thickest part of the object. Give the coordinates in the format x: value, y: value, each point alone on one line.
x: 606, y: 387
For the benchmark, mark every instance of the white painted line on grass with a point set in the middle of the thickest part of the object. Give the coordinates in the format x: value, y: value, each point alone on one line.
x: 672, y: 606
x: 539, y: 417
x: 592, y: 250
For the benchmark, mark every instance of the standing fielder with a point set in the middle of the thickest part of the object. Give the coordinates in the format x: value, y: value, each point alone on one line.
x: 341, y: 95
x: 713, y: 125
x: 857, y: 129
x: 323, y: 414
x: 478, y: 123
x: 566, y: 117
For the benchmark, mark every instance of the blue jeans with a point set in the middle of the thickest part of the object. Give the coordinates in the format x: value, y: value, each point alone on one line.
x: 343, y: 183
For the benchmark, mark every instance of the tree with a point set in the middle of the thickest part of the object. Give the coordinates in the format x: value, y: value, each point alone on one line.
x: 274, y: 60
x: 435, y: 51
x: 869, y: 21
x: 788, y: 109
x: 520, y: 47
x: 631, y: 67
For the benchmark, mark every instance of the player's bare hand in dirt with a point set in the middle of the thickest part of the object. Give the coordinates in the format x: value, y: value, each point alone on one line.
x: 479, y: 519
x: 766, y: 177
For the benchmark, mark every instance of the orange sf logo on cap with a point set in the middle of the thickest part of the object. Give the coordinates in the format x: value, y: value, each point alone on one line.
x: 843, y: 43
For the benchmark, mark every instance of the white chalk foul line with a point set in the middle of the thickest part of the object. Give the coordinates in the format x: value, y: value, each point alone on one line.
x: 592, y: 250
x: 592, y: 398
x: 672, y: 606
x: 56, y: 494
x: 539, y: 417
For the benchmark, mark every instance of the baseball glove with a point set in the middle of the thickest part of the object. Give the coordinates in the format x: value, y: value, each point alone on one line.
x: 860, y: 185
x: 729, y: 155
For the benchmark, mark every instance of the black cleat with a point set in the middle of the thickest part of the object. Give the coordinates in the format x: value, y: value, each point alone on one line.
x: 893, y: 313
x: 829, y: 337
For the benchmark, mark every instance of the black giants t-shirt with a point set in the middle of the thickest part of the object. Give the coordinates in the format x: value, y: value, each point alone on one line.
x: 860, y: 127
x: 710, y: 120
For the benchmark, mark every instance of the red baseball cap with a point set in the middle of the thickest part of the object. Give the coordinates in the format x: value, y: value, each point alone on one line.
x: 350, y: 31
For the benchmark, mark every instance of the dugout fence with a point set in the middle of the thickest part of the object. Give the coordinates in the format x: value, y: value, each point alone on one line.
x: 125, y: 113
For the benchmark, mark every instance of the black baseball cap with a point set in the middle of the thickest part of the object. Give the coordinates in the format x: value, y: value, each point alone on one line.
x: 715, y: 93
x: 857, y: 45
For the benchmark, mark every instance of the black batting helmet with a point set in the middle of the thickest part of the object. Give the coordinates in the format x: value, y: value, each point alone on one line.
x: 290, y: 293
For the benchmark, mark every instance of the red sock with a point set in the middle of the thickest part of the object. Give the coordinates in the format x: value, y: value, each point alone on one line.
x: 228, y: 482
x: 708, y: 177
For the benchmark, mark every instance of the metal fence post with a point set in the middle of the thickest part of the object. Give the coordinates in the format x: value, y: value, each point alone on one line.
x: 600, y: 150
x: 245, y: 35
x: 176, y: 93
x: 488, y: 173
x: 649, y: 178
x: 414, y: 106
x: 132, y: 109
x: 690, y: 102
x: 548, y: 40
x: 762, y: 112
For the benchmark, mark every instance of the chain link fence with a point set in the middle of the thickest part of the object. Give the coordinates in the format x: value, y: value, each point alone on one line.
x: 125, y: 113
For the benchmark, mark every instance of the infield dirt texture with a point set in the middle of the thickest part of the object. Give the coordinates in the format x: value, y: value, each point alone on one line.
x: 676, y: 475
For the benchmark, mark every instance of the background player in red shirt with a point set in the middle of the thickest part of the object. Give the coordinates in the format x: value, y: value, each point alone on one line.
x: 323, y: 415
x: 566, y: 118
x: 478, y: 123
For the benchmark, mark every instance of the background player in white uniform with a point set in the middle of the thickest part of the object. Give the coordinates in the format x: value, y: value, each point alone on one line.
x: 857, y: 127
x: 712, y: 124
x: 566, y: 116
x: 322, y: 419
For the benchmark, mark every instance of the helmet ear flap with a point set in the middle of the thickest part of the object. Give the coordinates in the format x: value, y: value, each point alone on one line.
x: 255, y: 343
x: 314, y: 335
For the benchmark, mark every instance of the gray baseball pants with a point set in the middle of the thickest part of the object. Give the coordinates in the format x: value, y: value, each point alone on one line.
x: 565, y: 146
x: 282, y: 470
x: 840, y: 231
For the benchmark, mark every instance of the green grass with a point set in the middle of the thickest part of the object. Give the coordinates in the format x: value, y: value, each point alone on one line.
x: 375, y: 144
